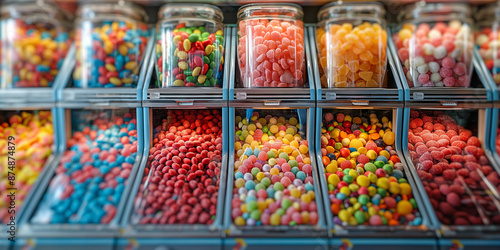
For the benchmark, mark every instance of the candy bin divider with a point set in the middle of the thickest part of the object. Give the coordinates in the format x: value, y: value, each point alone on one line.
x: 31, y: 230
x: 232, y: 231
x: 494, y: 112
x: 445, y: 244
x: 377, y: 243
x: 424, y: 231
x: 444, y: 231
x: 64, y: 243
x: 179, y: 230
x: 485, y: 76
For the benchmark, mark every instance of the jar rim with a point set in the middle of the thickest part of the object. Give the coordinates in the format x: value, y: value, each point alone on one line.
x: 35, y: 6
x: 169, y: 7
x: 338, y: 7
x: 413, y: 11
x: 132, y: 10
x: 253, y: 6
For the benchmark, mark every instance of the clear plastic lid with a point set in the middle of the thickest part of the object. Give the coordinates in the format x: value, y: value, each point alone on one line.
x: 33, y: 9
x: 438, y: 11
x: 93, y: 8
x: 352, y: 9
x: 181, y: 10
x: 277, y: 10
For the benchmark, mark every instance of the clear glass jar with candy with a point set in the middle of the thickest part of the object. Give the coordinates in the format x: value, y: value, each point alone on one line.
x: 487, y: 38
x: 34, y: 39
x: 190, y: 46
x: 434, y: 44
x: 352, y: 44
x: 111, y: 39
x: 271, y: 45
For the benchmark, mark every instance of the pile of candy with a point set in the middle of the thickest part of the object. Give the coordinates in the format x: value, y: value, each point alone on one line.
x: 33, y: 145
x: 194, y: 57
x: 435, y: 56
x: 90, y: 179
x: 455, y: 172
x: 113, y: 55
x: 498, y: 141
x: 487, y: 43
x: 32, y: 54
x: 355, y: 57
x: 183, y: 170
x: 365, y: 178
x: 271, y: 53
x: 273, y: 183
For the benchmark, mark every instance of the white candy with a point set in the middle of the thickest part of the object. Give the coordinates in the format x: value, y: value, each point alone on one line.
x: 419, y: 61
x: 434, y: 34
x: 429, y: 49
x: 439, y: 84
x: 422, y: 69
x: 455, y: 24
x: 435, y: 77
x: 456, y: 53
x: 252, y: 193
x: 440, y: 52
x: 278, y: 195
x: 434, y: 67
x: 482, y: 39
x: 242, y: 190
x: 243, y: 197
x: 408, y: 76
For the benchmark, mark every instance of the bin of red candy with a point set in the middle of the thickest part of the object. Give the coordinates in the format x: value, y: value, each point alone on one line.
x: 271, y: 45
x: 453, y: 167
x: 181, y: 181
x: 26, y: 139
x: 434, y: 45
x: 487, y: 37
x: 89, y: 182
x: 36, y: 44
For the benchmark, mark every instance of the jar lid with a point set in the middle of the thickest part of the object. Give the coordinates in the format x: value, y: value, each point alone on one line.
x: 340, y: 9
x: 205, y: 11
x: 16, y: 9
x: 89, y: 9
x: 279, y: 10
x: 418, y: 10
x: 489, y: 12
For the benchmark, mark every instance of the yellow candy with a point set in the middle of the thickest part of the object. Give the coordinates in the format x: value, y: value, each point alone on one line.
x: 372, y: 155
x: 346, y: 142
x: 363, y: 181
x: 394, y: 188
x: 385, y: 154
x: 303, y: 149
x: 405, y: 188
x: 305, y: 198
x: 295, y: 193
x: 239, y: 221
x: 404, y: 207
x: 382, y: 182
x: 332, y: 179
x: 389, y: 138
x: 362, y: 150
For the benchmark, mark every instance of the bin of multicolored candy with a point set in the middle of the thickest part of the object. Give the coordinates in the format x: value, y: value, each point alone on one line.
x: 487, y: 38
x: 274, y: 181
x: 271, y: 49
x: 352, y: 45
x: 110, y: 40
x: 26, y: 146
x: 363, y: 174
x: 190, y: 46
x: 434, y: 44
x: 93, y: 177
x: 35, y: 39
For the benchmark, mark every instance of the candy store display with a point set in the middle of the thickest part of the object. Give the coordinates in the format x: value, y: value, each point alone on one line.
x: 487, y: 38
x: 31, y: 137
x: 352, y: 45
x: 366, y: 180
x: 271, y: 45
x: 92, y: 174
x: 434, y: 45
x: 190, y: 46
x: 110, y: 48
x: 497, y: 140
x: 450, y: 161
x: 273, y: 183
x: 33, y: 46
x: 180, y: 183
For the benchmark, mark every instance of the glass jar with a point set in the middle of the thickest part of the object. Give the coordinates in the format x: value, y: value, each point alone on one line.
x: 352, y: 44
x: 190, y: 46
x: 434, y: 44
x: 487, y: 38
x: 271, y: 45
x: 110, y: 41
x: 34, y: 40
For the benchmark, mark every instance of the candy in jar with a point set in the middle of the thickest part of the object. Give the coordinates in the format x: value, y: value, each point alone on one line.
x: 487, y: 39
x: 271, y: 45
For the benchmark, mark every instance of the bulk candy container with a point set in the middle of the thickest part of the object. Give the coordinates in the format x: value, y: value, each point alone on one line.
x: 434, y: 44
x: 110, y: 40
x: 35, y: 38
x: 352, y: 45
x: 189, y: 46
x: 271, y: 50
x: 487, y: 38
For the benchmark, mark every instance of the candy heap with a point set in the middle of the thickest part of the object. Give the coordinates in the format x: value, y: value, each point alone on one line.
x: 271, y: 53
x: 498, y: 141
x: 455, y: 172
x: 33, y: 145
x: 112, y: 56
x: 487, y: 43
x: 92, y: 174
x: 33, y: 54
x: 435, y: 56
x: 365, y: 178
x: 355, y: 57
x: 273, y: 183
x: 183, y: 170
x: 194, y: 57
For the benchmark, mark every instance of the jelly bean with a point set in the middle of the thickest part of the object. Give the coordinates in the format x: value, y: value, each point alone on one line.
x: 447, y: 171
x: 357, y: 57
x: 30, y: 146
x: 117, y: 50
x: 88, y: 179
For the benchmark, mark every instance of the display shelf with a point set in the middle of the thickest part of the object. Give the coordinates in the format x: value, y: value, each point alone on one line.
x: 275, y: 243
x: 132, y: 223
x: 177, y: 244
x: 58, y: 243
x: 450, y: 244
x: 375, y: 243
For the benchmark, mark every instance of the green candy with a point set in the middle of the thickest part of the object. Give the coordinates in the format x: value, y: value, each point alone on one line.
x: 280, y: 211
x: 219, y: 38
x: 413, y: 202
x: 402, y: 180
x: 271, y: 154
x: 210, y: 73
x: 255, y: 214
x: 241, y: 138
x: 194, y: 37
x: 266, y: 181
x: 293, y: 163
x: 206, y: 60
x: 363, y: 199
x: 284, y: 156
x: 358, y: 215
x: 238, y: 132
x: 381, y: 191
x: 182, y: 29
x: 212, y: 65
x: 370, y: 167
x: 379, y: 164
x: 348, y: 178
x: 292, y: 223
x: 211, y: 57
x: 265, y: 129
x: 252, y: 205
x: 191, y: 79
x: 278, y: 186
x: 202, y: 29
x: 259, y: 187
x: 286, y: 203
x: 255, y: 171
x: 330, y: 128
x: 187, y: 72
x: 384, y: 220
x: 388, y: 168
x: 331, y: 187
